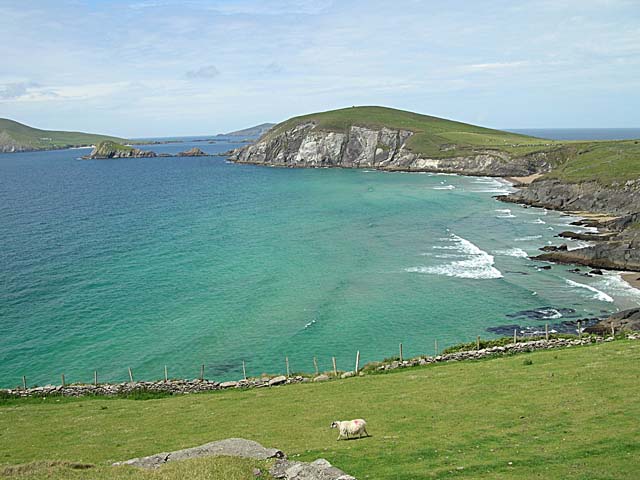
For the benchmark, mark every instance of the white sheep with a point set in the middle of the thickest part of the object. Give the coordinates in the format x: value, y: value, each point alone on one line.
x: 350, y: 428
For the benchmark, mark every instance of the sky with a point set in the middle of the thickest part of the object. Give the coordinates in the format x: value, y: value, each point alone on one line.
x: 136, y: 68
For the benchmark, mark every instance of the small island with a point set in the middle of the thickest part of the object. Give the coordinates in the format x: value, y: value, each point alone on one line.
x: 109, y: 149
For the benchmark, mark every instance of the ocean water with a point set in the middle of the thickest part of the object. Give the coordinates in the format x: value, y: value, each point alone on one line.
x: 142, y: 263
x: 581, y: 133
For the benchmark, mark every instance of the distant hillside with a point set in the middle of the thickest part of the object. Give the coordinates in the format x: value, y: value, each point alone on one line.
x: 256, y: 131
x: 17, y: 137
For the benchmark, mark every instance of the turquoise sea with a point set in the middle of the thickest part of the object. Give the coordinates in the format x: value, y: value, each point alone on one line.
x: 143, y: 263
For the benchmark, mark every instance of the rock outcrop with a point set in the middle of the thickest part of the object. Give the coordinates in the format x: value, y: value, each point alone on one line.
x: 617, y: 246
x: 192, y: 152
x: 626, y: 320
x: 105, y: 150
x: 306, y: 145
x: 285, y: 469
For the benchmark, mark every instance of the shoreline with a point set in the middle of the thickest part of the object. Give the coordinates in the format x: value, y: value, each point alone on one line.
x: 594, y: 219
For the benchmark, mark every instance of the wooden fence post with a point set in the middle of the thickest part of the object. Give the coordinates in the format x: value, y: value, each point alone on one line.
x: 166, y: 374
x: 244, y: 370
x: 24, y: 382
x: 401, y: 356
x: 478, y: 342
x: 130, y: 375
x: 579, y: 329
x: 546, y: 331
x: 202, y: 372
x: 62, y: 378
x: 613, y: 330
x: 435, y: 347
x: 95, y: 377
x: 315, y: 364
x: 515, y: 335
x: 357, y: 362
x: 335, y: 368
x: 286, y: 359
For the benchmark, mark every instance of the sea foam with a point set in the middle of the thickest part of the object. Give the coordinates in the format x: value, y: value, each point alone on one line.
x: 598, y: 294
x: 512, y: 252
x: 476, y: 263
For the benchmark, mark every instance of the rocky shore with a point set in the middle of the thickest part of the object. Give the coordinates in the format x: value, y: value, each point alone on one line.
x: 616, y: 246
x: 108, y: 150
x: 197, y: 386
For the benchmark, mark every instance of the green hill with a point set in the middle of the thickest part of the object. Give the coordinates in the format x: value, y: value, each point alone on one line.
x: 432, y: 135
x: 553, y: 414
x: 17, y: 137
x: 573, y: 161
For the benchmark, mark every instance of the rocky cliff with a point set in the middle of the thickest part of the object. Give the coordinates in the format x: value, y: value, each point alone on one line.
x: 105, y: 150
x: 618, y: 246
x: 307, y: 145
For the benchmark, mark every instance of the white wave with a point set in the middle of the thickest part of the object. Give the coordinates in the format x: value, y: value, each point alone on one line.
x: 538, y: 221
x: 598, y: 294
x: 512, y: 252
x: 550, y: 228
x: 550, y: 314
x: 309, y: 324
x: 614, y: 283
x: 445, y: 187
x: 509, y: 215
x: 527, y: 239
x: 502, y: 210
x: 477, y: 263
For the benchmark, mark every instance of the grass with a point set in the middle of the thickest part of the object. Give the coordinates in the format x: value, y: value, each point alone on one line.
x: 194, y: 469
x: 25, y: 137
x: 568, y: 414
x: 607, y: 162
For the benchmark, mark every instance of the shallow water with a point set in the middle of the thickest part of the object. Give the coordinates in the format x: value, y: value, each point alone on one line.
x: 143, y: 263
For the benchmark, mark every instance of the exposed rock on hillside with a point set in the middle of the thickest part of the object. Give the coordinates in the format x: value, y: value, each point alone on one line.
x: 622, y: 321
x: 305, y: 145
x: 115, y: 150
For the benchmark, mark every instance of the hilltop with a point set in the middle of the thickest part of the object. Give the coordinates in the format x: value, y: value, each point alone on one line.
x: 17, y: 137
x: 251, y: 132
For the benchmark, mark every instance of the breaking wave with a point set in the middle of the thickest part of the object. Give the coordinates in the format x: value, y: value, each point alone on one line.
x: 476, y: 263
x: 597, y: 294
x: 512, y: 252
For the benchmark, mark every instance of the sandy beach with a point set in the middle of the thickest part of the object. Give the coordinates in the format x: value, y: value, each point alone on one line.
x: 632, y: 278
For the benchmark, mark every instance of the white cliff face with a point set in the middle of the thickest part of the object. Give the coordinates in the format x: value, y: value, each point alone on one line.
x: 361, y: 147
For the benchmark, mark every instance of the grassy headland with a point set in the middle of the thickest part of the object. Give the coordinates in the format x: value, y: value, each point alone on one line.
x: 553, y: 414
x: 606, y: 162
x: 16, y: 136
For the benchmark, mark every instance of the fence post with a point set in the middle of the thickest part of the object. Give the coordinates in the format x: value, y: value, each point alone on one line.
x: 335, y: 368
x: 24, y: 382
x: 202, y: 372
x: 357, y: 362
x: 579, y: 329
x: 478, y: 342
x: 244, y: 370
x: 435, y: 347
x: 613, y: 330
x: 95, y: 377
x: 130, y: 375
x: 401, y: 356
x: 315, y: 364
x: 515, y: 335
x: 546, y: 331
x: 286, y: 359
x: 62, y: 378
x: 166, y: 374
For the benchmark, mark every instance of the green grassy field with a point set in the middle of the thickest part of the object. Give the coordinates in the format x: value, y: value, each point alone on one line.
x: 25, y: 137
x: 564, y: 414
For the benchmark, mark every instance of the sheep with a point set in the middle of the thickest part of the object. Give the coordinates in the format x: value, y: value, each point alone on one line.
x: 351, y: 428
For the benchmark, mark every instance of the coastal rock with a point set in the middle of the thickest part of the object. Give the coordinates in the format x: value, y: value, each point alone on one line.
x: 307, y: 145
x: 321, y: 378
x: 319, y: 469
x: 626, y: 320
x: 192, y: 152
x: 105, y: 150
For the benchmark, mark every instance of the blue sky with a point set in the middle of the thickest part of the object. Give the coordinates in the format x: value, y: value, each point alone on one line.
x: 165, y: 67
